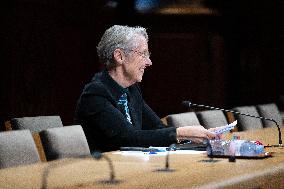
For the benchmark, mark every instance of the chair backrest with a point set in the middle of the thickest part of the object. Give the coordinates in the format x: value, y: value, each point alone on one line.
x: 182, y: 119
x: 17, y: 148
x: 64, y: 142
x: 269, y: 111
x: 36, y: 124
x: 212, y: 118
x: 245, y: 122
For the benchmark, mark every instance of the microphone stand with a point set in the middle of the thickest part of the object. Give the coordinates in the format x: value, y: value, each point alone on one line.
x: 97, y: 155
x: 112, y: 180
x: 209, y: 152
x: 167, y: 165
x: 188, y: 103
x: 54, y: 164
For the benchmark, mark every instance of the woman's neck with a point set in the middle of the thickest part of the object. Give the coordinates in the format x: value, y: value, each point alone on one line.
x: 117, y: 76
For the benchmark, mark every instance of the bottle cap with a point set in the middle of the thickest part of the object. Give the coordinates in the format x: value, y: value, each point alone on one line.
x: 236, y: 137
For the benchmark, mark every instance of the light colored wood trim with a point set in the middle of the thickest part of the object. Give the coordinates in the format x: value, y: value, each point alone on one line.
x: 39, y: 146
x: 164, y: 120
x: 8, y: 126
x: 231, y: 119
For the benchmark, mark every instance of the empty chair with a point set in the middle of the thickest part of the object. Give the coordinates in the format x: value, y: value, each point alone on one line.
x: 212, y: 118
x: 64, y: 142
x: 17, y: 148
x: 269, y: 111
x: 245, y: 122
x: 36, y: 124
x: 182, y: 119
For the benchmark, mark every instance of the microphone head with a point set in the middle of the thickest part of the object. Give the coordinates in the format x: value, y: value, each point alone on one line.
x: 97, y: 155
x: 186, y: 103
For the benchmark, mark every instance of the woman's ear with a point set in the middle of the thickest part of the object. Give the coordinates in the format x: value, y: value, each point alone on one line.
x: 118, y: 56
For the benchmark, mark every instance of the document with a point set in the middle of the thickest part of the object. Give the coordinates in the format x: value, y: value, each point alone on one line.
x: 226, y: 128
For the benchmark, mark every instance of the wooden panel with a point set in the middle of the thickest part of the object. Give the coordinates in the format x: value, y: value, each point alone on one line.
x: 186, y: 66
x: 49, y: 51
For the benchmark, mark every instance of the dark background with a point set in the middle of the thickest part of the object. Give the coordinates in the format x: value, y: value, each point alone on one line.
x: 226, y: 57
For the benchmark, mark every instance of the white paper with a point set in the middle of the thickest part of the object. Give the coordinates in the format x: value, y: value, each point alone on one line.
x: 226, y: 128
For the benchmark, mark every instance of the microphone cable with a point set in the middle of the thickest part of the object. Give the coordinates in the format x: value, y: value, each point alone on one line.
x: 189, y: 104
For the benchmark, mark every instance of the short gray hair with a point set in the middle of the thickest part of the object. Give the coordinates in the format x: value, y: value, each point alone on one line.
x: 118, y: 37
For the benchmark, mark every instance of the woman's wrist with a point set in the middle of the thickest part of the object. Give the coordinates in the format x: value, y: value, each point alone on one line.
x: 179, y: 137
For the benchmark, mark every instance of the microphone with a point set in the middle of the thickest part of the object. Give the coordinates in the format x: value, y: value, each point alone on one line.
x: 55, y: 164
x: 98, y: 155
x: 189, y: 104
x: 167, y: 164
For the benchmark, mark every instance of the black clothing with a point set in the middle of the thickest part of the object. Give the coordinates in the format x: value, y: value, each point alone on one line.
x: 104, y: 123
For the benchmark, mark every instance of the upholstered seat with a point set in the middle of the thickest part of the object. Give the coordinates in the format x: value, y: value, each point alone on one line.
x: 246, y: 122
x: 212, y: 118
x: 182, y: 119
x: 269, y: 111
x: 35, y: 125
x: 64, y: 142
x: 17, y: 148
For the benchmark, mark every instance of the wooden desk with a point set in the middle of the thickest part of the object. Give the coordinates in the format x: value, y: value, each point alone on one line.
x: 140, y: 172
x: 269, y: 136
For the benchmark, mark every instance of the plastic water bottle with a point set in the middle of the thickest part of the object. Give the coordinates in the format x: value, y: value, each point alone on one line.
x: 217, y: 147
x: 249, y: 148
x: 235, y: 148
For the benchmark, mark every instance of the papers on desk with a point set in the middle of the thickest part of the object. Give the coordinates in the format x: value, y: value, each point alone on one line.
x: 162, y: 152
x: 159, y: 153
x: 147, y: 155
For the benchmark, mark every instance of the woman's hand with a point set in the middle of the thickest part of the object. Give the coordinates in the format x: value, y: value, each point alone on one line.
x: 194, y: 133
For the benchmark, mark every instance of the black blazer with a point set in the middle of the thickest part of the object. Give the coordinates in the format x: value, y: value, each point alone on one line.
x: 106, y: 127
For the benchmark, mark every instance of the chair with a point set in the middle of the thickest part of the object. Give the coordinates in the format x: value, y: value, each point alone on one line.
x: 36, y: 124
x: 212, y: 118
x: 245, y: 122
x: 182, y: 119
x: 64, y: 142
x: 269, y: 111
x: 17, y: 148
